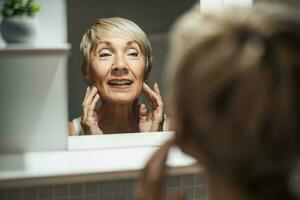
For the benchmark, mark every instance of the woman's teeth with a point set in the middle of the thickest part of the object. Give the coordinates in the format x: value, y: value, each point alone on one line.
x: 119, y: 82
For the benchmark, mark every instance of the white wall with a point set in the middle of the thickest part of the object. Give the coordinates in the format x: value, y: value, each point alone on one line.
x: 52, y: 21
x: 217, y: 4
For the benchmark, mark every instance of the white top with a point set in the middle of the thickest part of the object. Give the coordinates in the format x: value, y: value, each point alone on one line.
x: 78, y: 129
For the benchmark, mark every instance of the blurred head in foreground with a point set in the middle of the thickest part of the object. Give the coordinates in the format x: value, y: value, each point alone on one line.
x: 236, y: 100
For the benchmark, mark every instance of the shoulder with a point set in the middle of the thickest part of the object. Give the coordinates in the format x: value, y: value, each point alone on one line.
x: 75, y: 127
x: 166, y: 124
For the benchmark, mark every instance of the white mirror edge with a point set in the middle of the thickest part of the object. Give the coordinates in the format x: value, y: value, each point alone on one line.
x: 123, y: 140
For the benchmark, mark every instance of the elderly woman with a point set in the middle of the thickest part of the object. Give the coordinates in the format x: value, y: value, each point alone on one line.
x: 116, y: 63
x: 242, y: 120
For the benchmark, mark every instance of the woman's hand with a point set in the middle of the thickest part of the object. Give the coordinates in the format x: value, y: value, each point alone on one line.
x: 89, y: 118
x: 151, y: 119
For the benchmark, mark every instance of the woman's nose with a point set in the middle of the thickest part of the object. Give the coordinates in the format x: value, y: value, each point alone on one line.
x: 120, y: 67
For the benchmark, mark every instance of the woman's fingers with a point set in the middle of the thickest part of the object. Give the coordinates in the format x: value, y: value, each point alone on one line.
x: 154, y: 97
x: 158, y: 96
x: 157, y: 112
x: 153, y: 94
x: 149, y: 94
x: 90, y: 95
x: 92, y: 106
x: 156, y: 89
x: 159, y: 101
x: 87, y: 92
x: 143, y: 113
x: 95, y: 100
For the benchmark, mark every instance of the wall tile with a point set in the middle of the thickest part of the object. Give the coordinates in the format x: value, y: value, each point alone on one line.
x: 117, y: 196
x: 200, y: 192
x: 188, y: 193
x: 106, y: 187
x: 91, y: 197
x: 120, y: 187
x: 91, y: 188
x: 76, y: 198
x: 187, y: 181
x: 131, y: 185
x: 199, y: 180
x: 76, y: 190
x: 30, y: 193
x: 14, y: 194
x: 2, y: 194
x: 105, y: 197
x: 173, y: 181
x: 61, y: 191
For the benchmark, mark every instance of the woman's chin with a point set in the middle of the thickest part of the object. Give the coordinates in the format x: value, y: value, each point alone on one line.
x: 122, y: 99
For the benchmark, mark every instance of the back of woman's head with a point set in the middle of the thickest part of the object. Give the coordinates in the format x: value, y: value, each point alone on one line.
x: 236, y: 80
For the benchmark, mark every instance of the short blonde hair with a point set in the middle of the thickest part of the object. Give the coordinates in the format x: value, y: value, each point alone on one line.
x: 106, y: 28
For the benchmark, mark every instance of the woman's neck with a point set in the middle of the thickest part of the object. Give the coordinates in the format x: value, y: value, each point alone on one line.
x: 118, y: 118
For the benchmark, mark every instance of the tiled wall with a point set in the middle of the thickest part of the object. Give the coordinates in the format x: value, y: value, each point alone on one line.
x: 194, y: 186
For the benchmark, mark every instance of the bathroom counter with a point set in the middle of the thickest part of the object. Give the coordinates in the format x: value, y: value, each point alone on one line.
x: 117, y: 162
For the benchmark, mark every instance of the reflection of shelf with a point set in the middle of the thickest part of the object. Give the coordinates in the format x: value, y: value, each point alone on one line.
x: 25, y: 49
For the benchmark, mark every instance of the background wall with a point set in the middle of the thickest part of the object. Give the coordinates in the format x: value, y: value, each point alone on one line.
x: 153, y: 16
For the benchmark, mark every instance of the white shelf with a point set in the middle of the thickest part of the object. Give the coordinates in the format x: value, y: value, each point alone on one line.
x: 123, y: 140
x: 25, y: 49
x: 42, y: 168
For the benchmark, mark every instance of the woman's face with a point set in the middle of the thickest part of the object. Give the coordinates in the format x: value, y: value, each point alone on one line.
x: 118, y: 68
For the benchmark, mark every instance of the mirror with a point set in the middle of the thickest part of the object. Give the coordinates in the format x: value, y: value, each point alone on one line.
x: 153, y: 17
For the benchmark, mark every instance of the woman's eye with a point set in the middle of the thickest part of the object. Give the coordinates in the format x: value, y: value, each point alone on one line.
x: 104, y: 54
x: 135, y: 54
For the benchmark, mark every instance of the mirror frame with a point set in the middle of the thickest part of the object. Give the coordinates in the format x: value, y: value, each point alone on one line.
x: 120, y: 140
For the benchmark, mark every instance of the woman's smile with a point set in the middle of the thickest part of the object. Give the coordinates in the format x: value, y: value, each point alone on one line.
x: 120, y: 82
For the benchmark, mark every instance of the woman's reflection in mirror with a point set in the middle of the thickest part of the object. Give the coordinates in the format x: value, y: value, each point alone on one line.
x: 116, y: 63
x: 236, y: 102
